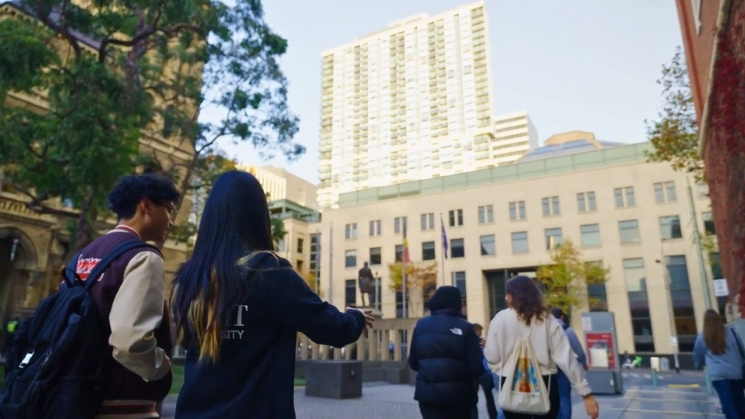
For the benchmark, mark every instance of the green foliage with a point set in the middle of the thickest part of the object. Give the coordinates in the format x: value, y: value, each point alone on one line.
x: 675, y: 136
x: 278, y: 230
x: 207, y: 169
x: 114, y: 72
x: 422, y: 276
x: 567, y: 276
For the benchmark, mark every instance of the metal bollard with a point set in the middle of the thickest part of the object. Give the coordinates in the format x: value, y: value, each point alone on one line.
x: 654, y: 378
x: 708, y: 381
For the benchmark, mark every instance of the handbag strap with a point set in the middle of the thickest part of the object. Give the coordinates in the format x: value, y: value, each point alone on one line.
x: 737, y: 341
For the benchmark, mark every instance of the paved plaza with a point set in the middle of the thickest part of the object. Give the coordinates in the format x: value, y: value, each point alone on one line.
x: 676, y: 396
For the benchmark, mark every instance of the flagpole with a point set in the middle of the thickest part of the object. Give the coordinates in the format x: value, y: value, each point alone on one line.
x: 443, y: 245
x: 403, y: 269
x: 331, y: 261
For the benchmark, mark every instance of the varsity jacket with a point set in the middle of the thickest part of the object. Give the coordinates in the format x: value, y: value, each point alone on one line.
x: 131, y: 303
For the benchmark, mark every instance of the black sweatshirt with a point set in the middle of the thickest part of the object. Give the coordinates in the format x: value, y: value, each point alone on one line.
x: 254, y: 376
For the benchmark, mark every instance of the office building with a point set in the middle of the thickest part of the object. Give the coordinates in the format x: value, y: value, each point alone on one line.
x: 715, y: 53
x: 632, y: 216
x: 514, y: 135
x: 411, y: 101
x: 279, y: 184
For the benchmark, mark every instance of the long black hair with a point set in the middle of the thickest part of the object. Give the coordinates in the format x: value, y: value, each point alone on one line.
x: 235, y: 223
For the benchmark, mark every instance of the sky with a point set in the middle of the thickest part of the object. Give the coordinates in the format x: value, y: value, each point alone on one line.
x: 588, y: 65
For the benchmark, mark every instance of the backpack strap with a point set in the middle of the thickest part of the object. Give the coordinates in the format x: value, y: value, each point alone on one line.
x: 737, y: 341
x: 71, y: 277
x: 117, y: 251
x: 70, y: 273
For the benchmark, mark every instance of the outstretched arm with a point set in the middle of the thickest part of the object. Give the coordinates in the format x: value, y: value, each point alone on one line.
x: 299, y: 308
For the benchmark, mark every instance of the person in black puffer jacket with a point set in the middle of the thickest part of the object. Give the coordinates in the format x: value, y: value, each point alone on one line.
x: 446, y: 354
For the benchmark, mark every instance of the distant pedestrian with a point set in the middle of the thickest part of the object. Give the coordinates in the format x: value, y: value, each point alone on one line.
x: 486, y: 380
x: 720, y: 349
x: 446, y: 354
x: 10, y: 334
x: 565, y: 387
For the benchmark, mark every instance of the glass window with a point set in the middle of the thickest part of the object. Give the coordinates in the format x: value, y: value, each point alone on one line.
x: 350, y: 292
x: 641, y: 321
x: 375, y: 228
x: 630, y: 200
x: 591, y: 205
x: 590, y: 235
x: 633, y: 271
x: 553, y: 238
x: 428, y: 251
x: 581, y: 203
x: 457, y: 249
x: 708, y: 223
x: 399, y: 252
x: 520, y: 242
x: 680, y: 294
x: 488, y: 245
x: 597, y: 296
x: 517, y: 210
x: 629, y: 231
x: 428, y: 221
x: 670, y: 227
x: 459, y: 279
x: 550, y: 206
x: 716, y: 266
x: 375, y: 256
x: 659, y: 194
x: 398, y: 224
x: 670, y: 189
x: 350, y: 231
x: 300, y: 243
x: 350, y: 258
x: 618, y: 197
x: 456, y: 217
x: 486, y: 214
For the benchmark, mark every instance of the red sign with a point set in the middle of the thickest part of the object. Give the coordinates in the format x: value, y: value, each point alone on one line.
x: 601, y: 341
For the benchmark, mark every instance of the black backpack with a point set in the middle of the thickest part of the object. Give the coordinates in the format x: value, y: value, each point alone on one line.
x: 55, y: 367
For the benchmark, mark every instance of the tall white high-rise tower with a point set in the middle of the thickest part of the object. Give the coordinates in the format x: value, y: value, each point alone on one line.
x: 411, y: 101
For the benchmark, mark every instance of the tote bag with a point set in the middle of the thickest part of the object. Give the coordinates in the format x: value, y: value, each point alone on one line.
x: 523, y: 390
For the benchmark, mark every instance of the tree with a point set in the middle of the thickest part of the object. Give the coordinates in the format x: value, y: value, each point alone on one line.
x: 421, y: 279
x: 113, y: 72
x: 206, y: 171
x: 312, y: 282
x: 278, y: 231
x: 675, y: 136
x: 567, y: 276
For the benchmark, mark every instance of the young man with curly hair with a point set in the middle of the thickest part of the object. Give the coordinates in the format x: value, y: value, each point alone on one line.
x: 130, y: 297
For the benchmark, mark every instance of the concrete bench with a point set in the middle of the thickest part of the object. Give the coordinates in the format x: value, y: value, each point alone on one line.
x: 334, y: 379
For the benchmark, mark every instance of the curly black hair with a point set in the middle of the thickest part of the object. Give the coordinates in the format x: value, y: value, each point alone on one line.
x: 125, y: 196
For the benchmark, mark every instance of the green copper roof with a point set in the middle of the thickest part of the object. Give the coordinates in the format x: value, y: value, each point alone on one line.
x: 611, y: 156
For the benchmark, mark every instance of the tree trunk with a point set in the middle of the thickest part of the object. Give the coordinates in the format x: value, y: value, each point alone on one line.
x: 84, y: 229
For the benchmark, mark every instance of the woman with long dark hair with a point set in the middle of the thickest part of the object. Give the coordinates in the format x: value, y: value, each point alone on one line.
x: 528, y: 317
x: 238, y: 307
x: 720, y: 349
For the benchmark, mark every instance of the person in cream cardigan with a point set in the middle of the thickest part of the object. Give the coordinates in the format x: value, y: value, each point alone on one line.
x: 528, y: 315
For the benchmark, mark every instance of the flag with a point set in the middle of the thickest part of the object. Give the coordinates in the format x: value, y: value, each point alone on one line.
x: 406, y: 245
x: 444, y: 239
